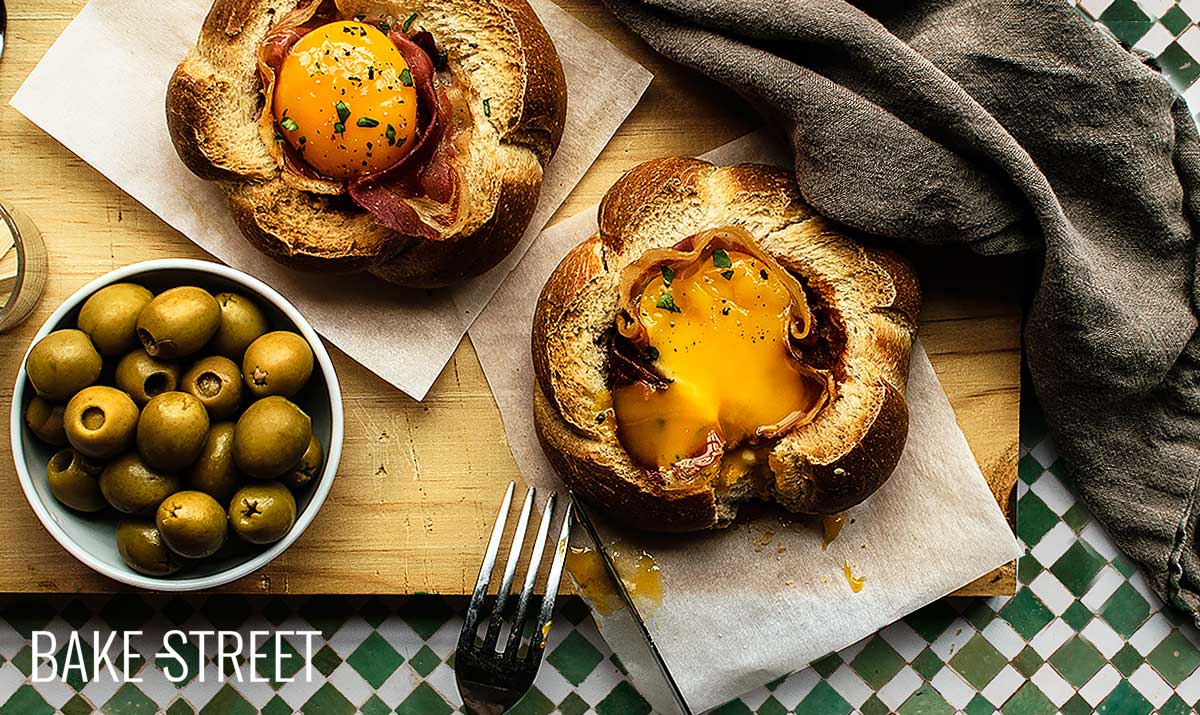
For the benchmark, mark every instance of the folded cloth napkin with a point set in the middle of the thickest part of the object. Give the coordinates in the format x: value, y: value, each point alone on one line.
x: 1009, y: 126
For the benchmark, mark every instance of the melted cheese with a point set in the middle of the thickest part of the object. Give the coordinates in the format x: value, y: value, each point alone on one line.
x: 856, y: 582
x: 637, y: 569
x: 719, y: 327
x: 832, y: 526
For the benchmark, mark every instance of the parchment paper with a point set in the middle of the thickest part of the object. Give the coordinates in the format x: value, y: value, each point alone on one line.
x: 742, y: 608
x: 100, y: 90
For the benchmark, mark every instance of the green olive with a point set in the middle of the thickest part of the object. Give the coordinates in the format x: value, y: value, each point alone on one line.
x: 216, y: 382
x: 142, y: 548
x: 192, y: 524
x: 303, y: 474
x: 171, y: 431
x: 241, y: 323
x: 74, y: 481
x: 110, y: 315
x: 270, y: 438
x: 277, y: 363
x: 45, y: 420
x: 262, y: 513
x: 100, y: 421
x: 63, y: 363
x: 131, y: 487
x: 144, y: 377
x: 214, y: 472
x: 178, y: 322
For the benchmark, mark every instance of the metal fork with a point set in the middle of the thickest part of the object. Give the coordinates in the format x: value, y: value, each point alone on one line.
x: 492, y: 680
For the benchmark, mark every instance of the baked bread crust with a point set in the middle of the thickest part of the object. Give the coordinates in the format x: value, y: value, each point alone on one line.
x: 865, y: 302
x: 497, y: 49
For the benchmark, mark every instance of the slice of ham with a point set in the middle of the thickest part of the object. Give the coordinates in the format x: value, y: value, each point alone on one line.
x: 425, y: 171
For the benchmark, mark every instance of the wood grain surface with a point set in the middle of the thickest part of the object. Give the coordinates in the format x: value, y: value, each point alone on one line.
x: 419, y: 482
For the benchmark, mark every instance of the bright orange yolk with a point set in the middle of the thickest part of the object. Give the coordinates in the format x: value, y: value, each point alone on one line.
x: 720, y: 329
x: 345, y: 101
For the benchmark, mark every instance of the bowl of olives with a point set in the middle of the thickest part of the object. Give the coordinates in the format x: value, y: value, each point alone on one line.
x: 176, y: 424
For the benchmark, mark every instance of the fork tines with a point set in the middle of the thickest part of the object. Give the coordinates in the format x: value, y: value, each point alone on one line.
x: 502, y: 610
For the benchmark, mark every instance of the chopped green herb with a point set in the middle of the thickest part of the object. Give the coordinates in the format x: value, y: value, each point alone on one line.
x: 289, y: 124
x: 409, y: 22
x: 303, y: 140
x: 725, y: 310
x: 278, y: 136
x: 371, y: 72
x: 360, y: 18
x: 727, y: 275
x: 652, y: 353
x: 385, y: 25
x: 443, y: 59
x: 391, y: 135
x: 763, y: 274
x: 668, y: 275
x: 343, y: 111
x: 406, y: 77
x: 666, y: 302
x: 367, y: 122
x: 339, y: 128
x: 487, y: 107
x: 721, y: 259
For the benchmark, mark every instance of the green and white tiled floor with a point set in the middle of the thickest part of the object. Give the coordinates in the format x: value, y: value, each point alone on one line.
x: 1084, y: 634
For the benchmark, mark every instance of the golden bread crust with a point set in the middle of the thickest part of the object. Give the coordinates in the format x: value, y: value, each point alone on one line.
x: 865, y: 300
x: 498, y: 50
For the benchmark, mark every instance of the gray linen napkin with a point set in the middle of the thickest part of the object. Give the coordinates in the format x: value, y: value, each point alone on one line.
x: 1008, y: 126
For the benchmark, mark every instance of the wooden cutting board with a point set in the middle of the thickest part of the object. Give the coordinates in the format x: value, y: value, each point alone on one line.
x: 419, y: 482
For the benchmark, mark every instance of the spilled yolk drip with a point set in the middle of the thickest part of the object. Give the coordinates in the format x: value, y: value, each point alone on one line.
x: 345, y: 100
x: 718, y: 331
x: 638, y: 571
x: 832, y: 526
x: 856, y: 582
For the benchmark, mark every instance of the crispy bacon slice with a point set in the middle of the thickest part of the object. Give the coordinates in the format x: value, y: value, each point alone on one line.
x: 427, y: 174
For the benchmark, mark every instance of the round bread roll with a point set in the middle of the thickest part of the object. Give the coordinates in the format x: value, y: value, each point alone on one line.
x: 491, y: 99
x: 855, y: 310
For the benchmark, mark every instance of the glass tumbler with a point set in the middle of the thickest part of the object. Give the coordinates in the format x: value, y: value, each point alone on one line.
x: 22, y: 266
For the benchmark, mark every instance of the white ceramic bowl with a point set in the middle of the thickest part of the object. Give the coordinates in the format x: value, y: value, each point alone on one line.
x: 91, y: 538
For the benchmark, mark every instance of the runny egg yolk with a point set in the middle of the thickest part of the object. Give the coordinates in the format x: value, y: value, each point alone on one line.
x: 719, y: 328
x: 345, y: 100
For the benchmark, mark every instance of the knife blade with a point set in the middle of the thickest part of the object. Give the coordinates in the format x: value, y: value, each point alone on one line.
x: 610, y: 568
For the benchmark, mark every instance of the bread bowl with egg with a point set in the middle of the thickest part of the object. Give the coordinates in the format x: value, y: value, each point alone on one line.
x: 407, y: 139
x: 716, y: 342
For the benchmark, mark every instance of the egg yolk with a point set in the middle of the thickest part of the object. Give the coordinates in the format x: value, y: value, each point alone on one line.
x: 345, y: 100
x: 718, y: 328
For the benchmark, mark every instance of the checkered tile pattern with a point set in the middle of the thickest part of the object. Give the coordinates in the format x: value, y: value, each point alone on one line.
x: 1083, y: 634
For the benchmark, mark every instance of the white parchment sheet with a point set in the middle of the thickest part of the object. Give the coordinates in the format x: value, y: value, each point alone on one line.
x: 737, y: 612
x: 101, y: 88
